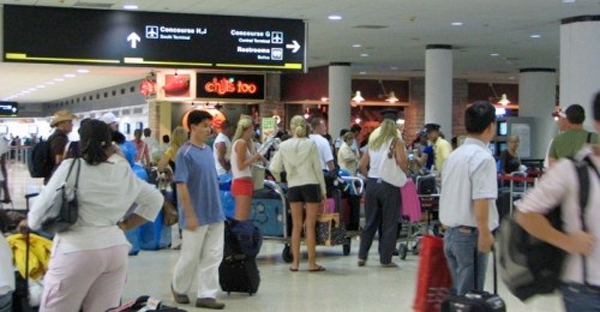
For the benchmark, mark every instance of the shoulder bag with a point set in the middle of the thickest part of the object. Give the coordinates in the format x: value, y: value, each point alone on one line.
x: 63, y: 211
x: 389, y: 171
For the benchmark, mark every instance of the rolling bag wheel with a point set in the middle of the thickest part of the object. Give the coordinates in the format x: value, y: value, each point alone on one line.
x: 286, y: 254
x: 346, y: 248
x: 402, y: 251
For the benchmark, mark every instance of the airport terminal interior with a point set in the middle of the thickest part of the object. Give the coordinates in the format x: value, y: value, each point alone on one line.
x: 149, y: 64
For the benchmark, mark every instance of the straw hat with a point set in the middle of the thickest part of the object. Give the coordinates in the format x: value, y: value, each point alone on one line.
x: 62, y: 115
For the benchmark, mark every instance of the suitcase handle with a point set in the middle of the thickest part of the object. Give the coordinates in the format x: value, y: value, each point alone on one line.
x: 476, y: 264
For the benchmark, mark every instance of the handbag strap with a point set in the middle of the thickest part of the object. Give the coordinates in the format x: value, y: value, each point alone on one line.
x: 78, y: 161
x: 392, y: 150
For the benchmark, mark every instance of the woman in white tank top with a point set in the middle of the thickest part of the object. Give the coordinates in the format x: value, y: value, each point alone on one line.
x: 242, y: 157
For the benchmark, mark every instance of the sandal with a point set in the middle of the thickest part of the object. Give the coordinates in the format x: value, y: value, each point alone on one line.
x: 293, y: 270
x: 317, y: 269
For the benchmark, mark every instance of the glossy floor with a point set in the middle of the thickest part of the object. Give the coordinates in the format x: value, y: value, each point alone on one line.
x: 343, y: 287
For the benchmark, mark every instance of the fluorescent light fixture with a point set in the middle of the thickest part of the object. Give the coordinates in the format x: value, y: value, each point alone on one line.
x: 456, y: 23
x: 69, y: 75
x: 362, y: 73
x: 83, y: 71
x: 495, y: 54
x: 58, y: 79
x: 568, y: 1
x: 130, y: 7
x: 535, y: 36
x: 32, y: 89
x: 357, y: 45
x: 511, y: 78
x: 358, y: 97
x: 40, y: 86
x: 334, y: 17
x: 50, y: 83
x: 364, y: 55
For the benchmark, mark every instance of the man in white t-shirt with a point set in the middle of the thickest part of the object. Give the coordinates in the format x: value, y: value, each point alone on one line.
x: 222, y: 148
x: 152, y: 144
x: 319, y: 128
x: 468, y: 200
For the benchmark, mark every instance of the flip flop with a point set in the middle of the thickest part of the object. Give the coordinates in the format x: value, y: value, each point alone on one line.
x: 293, y: 270
x: 317, y: 269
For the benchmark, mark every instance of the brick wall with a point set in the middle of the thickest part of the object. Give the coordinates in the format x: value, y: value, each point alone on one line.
x: 460, y: 99
x: 414, y: 114
x: 272, y: 104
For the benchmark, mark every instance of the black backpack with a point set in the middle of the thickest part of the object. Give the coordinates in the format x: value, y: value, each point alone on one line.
x: 529, y: 266
x: 40, y: 159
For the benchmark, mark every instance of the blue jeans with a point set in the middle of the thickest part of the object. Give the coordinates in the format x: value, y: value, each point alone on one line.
x: 580, y: 298
x: 459, y: 248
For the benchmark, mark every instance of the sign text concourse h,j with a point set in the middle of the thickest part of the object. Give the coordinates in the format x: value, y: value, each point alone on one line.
x: 124, y: 38
x: 230, y: 86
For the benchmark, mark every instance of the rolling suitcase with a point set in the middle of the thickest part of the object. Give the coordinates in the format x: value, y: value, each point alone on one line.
x: 238, y: 271
x: 475, y: 300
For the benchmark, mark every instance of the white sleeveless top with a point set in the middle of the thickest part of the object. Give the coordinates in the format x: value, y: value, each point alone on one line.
x: 235, y: 171
x: 376, y: 158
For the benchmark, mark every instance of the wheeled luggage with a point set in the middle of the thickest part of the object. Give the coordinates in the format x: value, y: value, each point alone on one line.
x: 475, y: 300
x: 238, y: 271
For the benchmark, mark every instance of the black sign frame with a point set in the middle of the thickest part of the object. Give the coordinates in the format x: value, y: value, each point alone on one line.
x: 34, y: 34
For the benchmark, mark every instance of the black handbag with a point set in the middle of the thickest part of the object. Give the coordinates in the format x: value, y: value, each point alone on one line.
x: 63, y: 212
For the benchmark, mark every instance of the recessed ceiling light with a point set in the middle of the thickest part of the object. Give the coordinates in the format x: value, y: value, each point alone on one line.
x: 130, y: 7
x: 41, y: 86
x: 394, y: 68
x: 26, y: 92
x: 334, y: 17
x: 511, y: 78
x: 456, y: 23
x: 494, y: 54
x: 568, y: 1
x: 58, y: 79
x: 50, y: 83
x: 83, y: 71
x: 362, y: 73
x: 364, y: 55
x: 536, y: 36
x: 69, y: 75
x: 32, y: 89
x: 357, y: 45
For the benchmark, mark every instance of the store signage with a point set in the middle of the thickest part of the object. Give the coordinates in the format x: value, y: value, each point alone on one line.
x: 9, y: 109
x: 124, y: 38
x: 234, y: 86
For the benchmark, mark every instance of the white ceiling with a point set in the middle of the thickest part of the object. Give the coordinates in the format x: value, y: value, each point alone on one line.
x: 397, y: 51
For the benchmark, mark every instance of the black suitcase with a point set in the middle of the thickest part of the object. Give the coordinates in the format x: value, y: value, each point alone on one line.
x: 239, y: 275
x: 476, y: 301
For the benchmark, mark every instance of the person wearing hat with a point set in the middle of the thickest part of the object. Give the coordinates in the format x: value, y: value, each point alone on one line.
x: 62, y: 120
x: 568, y: 143
x: 441, y: 147
x: 111, y: 120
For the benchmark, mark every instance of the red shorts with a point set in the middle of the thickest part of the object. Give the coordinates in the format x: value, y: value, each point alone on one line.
x: 242, y: 187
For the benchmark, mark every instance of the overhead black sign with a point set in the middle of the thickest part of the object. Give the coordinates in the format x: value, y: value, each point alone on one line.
x: 9, y: 109
x: 225, y: 86
x: 124, y: 38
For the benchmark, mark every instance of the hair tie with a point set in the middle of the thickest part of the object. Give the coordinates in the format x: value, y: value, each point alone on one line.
x: 103, y: 143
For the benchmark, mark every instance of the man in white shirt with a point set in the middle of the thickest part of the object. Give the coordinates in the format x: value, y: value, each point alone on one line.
x: 319, y: 128
x: 152, y: 144
x: 467, y: 203
x: 222, y: 148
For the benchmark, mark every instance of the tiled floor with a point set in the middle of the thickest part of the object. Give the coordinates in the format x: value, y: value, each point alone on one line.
x: 343, y: 287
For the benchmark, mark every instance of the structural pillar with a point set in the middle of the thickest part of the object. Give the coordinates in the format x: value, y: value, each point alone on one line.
x: 537, y: 99
x: 579, y: 62
x: 438, y: 87
x: 340, y: 90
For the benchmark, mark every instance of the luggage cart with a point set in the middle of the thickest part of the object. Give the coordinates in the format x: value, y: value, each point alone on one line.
x: 427, y: 193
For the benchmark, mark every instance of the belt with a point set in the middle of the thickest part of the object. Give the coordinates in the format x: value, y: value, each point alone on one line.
x: 464, y: 228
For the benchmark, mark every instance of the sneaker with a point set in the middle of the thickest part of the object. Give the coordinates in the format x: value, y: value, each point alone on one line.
x: 362, y: 262
x: 180, y: 298
x: 209, y: 303
x: 389, y: 265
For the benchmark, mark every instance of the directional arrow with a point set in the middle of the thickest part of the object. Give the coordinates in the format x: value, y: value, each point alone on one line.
x: 134, y: 38
x: 294, y: 46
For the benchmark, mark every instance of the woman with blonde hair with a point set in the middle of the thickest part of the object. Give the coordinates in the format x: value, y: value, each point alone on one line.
x: 178, y: 138
x: 382, y: 199
x: 242, y: 157
x: 299, y: 158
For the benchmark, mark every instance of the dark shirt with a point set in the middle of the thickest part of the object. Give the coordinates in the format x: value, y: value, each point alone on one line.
x: 430, y: 155
x: 509, y: 163
x: 58, y: 143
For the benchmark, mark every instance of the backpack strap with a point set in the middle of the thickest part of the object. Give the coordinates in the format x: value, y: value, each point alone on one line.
x: 584, y: 192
